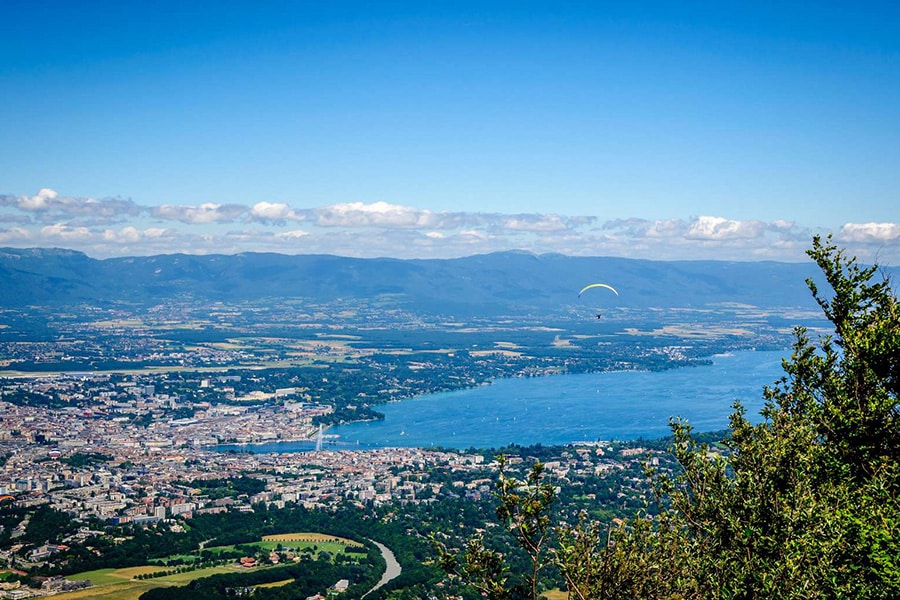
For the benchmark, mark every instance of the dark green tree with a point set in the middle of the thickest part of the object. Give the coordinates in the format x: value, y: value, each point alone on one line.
x: 803, y: 504
x: 524, y: 510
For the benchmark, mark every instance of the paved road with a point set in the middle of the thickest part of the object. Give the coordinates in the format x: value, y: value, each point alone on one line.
x: 392, y: 570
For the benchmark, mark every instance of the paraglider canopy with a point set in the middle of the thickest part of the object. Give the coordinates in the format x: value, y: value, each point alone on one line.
x: 593, y: 285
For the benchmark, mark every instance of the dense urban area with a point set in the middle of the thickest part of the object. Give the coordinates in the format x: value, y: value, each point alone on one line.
x: 112, y: 421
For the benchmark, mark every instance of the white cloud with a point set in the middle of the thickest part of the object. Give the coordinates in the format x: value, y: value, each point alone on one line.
x: 48, y: 218
x: 133, y: 235
x: 208, y: 212
x: 156, y: 232
x: 243, y: 236
x: 700, y: 237
x: 870, y: 232
x: 274, y: 212
x: 718, y: 228
x: 62, y: 231
x: 378, y: 214
x: 127, y: 235
x: 534, y: 223
x: 292, y: 235
x: 473, y: 234
x: 49, y: 207
x: 394, y: 216
x: 667, y: 228
x: 782, y: 225
x: 14, y: 218
x: 40, y: 201
x: 15, y: 235
x: 662, y: 228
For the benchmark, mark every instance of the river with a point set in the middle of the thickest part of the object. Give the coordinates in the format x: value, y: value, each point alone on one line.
x: 392, y: 568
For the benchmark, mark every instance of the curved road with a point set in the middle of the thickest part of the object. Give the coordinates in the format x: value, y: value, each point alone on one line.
x: 391, y: 571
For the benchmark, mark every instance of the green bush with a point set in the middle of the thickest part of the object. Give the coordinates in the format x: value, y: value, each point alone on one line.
x: 801, y: 505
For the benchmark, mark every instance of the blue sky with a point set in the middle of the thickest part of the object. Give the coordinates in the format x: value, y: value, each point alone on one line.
x: 433, y: 129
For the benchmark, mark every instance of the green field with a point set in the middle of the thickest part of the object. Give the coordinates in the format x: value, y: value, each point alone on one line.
x: 332, y: 548
x: 187, y: 558
x: 276, y: 583
x: 118, y: 584
x: 125, y: 590
x: 182, y: 578
x: 101, y: 576
x: 305, y: 536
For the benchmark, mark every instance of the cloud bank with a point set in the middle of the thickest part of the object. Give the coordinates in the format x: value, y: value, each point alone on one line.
x: 105, y: 227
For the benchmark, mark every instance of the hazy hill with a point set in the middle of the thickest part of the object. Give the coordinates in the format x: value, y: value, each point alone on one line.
x: 505, y: 282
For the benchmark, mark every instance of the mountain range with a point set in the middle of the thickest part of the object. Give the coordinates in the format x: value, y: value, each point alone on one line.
x: 498, y: 283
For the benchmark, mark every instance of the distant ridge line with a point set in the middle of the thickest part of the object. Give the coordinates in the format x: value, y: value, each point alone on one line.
x: 499, y: 283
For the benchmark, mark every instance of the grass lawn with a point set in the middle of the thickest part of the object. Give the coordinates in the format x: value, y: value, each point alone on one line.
x: 99, y: 576
x: 332, y: 548
x: 116, y: 584
x: 129, y: 572
x: 188, y: 558
x: 124, y: 590
x: 214, y: 549
x: 275, y: 584
x: 182, y: 578
x: 297, y: 541
x: 309, y: 537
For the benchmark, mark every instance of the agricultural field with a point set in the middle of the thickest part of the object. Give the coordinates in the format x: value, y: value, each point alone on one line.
x: 313, y: 544
x: 315, y: 538
x: 126, y: 590
x: 275, y: 584
x: 119, y: 584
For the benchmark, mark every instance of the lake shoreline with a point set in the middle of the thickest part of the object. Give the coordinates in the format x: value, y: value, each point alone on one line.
x: 562, y: 410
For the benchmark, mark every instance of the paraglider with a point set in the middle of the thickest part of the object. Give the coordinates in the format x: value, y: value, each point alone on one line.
x: 593, y: 285
x: 598, y: 285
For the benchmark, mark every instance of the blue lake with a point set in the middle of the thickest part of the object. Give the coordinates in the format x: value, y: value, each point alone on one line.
x: 562, y: 409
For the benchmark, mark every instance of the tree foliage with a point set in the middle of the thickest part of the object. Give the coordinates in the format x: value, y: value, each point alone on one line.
x: 524, y: 510
x: 802, y: 504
